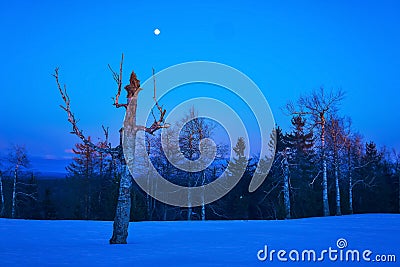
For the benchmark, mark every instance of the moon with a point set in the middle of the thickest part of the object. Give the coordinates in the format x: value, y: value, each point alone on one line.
x: 157, y: 31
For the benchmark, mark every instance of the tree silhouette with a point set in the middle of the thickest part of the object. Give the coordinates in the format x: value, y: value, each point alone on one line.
x: 123, y: 210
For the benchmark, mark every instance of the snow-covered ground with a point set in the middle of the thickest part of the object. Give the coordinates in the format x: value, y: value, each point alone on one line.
x: 211, y: 243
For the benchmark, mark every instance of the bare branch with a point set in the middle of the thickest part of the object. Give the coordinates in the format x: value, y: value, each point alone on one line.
x: 367, y: 184
x: 315, y: 178
x: 105, y: 130
x: 157, y: 124
x: 73, y: 121
x: 118, y: 80
x: 217, y: 213
x: 267, y: 193
x: 27, y: 195
x: 364, y: 165
x: 317, y: 104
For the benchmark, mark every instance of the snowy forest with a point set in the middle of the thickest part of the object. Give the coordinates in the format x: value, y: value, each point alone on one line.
x: 322, y: 167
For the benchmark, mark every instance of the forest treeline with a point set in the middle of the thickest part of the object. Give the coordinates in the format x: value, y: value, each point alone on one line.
x: 321, y: 167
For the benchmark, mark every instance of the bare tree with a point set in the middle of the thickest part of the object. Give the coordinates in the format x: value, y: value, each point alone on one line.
x: 338, y: 133
x: 194, y: 130
x: 122, y: 216
x: 318, y: 105
x: 18, y: 159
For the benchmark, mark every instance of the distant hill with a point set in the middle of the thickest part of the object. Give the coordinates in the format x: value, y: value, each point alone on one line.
x: 50, y: 175
x: 49, y: 168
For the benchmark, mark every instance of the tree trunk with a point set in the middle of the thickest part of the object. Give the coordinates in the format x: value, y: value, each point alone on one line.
x: 189, y: 215
x: 148, y: 199
x: 203, y: 206
x: 336, y: 163
x: 325, y: 201
x: 122, y: 216
x: 350, y: 193
x: 189, y: 198
x: 123, y: 212
x: 338, y: 210
x: 14, y: 195
x: 2, y: 211
x: 165, y: 212
x: 286, y: 195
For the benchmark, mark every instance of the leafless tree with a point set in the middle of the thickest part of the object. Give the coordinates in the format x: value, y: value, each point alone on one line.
x: 2, y: 211
x: 122, y: 216
x: 317, y: 106
x: 338, y: 132
x: 195, y: 129
x: 18, y: 159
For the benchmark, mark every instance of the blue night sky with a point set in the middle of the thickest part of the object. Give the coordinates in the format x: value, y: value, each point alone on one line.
x: 287, y: 48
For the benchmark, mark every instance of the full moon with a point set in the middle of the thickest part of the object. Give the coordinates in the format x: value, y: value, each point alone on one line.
x: 156, y: 31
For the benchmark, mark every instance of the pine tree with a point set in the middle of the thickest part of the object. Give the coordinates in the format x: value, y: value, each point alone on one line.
x: 92, y: 176
x: 370, y: 174
x: 302, y: 168
x: 49, y: 210
x: 278, y: 179
x: 238, y: 199
x: 80, y: 172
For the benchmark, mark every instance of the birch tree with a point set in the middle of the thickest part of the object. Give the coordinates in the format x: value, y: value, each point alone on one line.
x: 318, y: 106
x: 337, y: 132
x: 18, y: 159
x: 286, y: 182
x: 123, y: 210
x: 351, y: 145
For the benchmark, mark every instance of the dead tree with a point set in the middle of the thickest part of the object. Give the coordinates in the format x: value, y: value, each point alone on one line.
x: 122, y: 214
x: 318, y: 105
